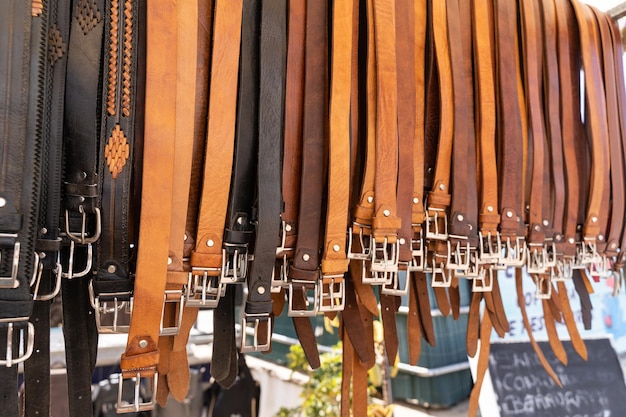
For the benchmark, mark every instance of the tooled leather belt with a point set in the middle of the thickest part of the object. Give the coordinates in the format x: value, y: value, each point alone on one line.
x: 22, y: 75
x: 112, y: 283
x: 49, y: 120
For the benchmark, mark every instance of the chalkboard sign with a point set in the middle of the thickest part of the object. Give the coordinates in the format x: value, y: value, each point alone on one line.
x: 590, y: 389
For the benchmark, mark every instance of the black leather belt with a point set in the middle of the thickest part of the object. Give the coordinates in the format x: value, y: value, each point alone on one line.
x: 51, y: 88
x: 112, y: 283
x: 273, y: 48
x: 239, y: 231
x: 81, y: 194
x: 22, y: 76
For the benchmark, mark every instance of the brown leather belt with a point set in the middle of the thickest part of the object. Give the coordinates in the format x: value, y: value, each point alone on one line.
x: 422, y: 143
x: 142, y: 354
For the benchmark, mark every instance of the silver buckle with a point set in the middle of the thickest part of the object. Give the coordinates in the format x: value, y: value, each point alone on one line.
x: 459, y: 259
x: 208, y: 287
x: 419, y: 251
x: 388, y: 262
x: 536, y: 259
x: 332, y: 292
x: 587, y: 252
x: 484, y: 281
x: 399, y: 284
x: 432, y: 225
x: 70, y: 263
x: 563, y: 270
x: 551, y: 254
x: 253, y: 321
x: 365, y: 242
x: 368, y: 276
x: 57, y: 283
x: 235, y: 271
x: 474, y: 267
x: 102, y: 309
x: 11, y: 281
x: 600, y: 267
x: 175, y: 329
x: 277, y: 285
x: 439, y: 277
x: 490, y: 248
x: 9, y: 360
x: 540, y: 279
x: 137, y: 405
x: 305, y: 287
x: 513, y: 254
x: 82, y: 237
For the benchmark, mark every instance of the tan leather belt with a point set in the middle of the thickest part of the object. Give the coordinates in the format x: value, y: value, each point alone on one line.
x: 142, y: 354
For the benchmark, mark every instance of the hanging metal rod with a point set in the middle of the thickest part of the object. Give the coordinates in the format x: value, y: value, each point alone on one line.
x: 618, y: 11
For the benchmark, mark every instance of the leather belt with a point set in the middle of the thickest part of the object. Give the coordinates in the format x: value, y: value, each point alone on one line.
x: 272, y: 73
x: 23, y: 78
x: 334, y: 262
x: 112, y: 281
x: 239, y: 233
x: 303, y: 273
x: 292, y: 151
x: 82, y: 222
x: 51, y: 66
x: 140, y: 359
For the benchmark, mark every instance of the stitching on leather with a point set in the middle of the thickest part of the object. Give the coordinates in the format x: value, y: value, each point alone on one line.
x: 116, y: 151
x: 128, y: 45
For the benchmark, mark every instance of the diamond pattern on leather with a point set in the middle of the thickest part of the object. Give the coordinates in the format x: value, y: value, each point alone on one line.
x: 88, y: 15
x: 56, y: 46
x: 116, y: 152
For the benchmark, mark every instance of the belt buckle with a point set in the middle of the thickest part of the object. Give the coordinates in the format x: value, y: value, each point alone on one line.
x: 364, y: 240
x: 419, y: 252
x: 208, y: 287
x: 102, y: 309
x: 82, y: 237
x: 137, y: 405
x: 57, y: 283
x: 253, y: 322
x: 179, y: 299
x: 70, y: 262
x: 234, y: 271
x: 9, y: 360
x: 490, y: 248
x: 306, y: 287
x: 332, y: 293
x: 544, y: 289
x: 473, y: 268
x: 459, y: 259
x: 399, y: 284
x: 564, y: 269
x: 11, y: 280
x: 600, y: 267
x: 513, y: 254
x: 536, y: 259
x: 388, y: 262
x: 439, y: 277
x: 368, y: 276
x: 588, y: 252
x: 432, y: 225
x: 484, y: 281
x: 277, y: 285
x: 551, y: 254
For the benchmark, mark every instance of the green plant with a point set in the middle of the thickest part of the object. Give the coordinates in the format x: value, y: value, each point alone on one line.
x: 322, y: 393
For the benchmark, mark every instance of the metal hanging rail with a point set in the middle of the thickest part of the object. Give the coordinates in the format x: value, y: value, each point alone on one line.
x: 618, y: 11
